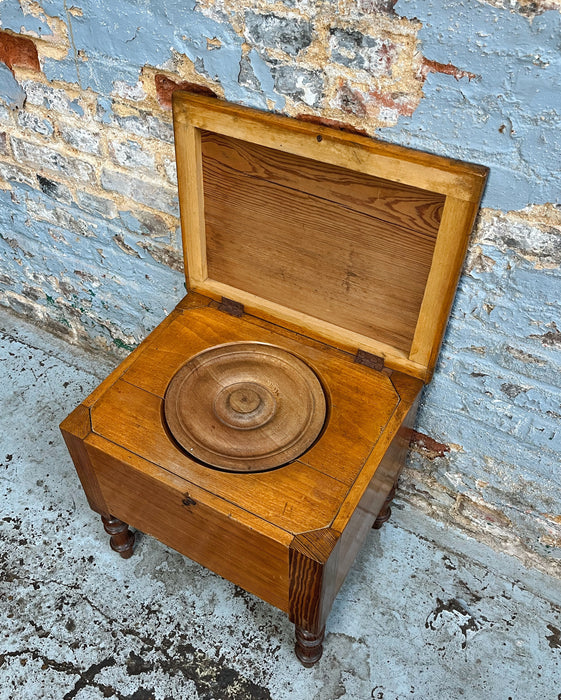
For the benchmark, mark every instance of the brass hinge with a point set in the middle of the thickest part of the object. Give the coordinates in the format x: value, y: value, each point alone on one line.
x: 229, y: 306
x: 369, y: 360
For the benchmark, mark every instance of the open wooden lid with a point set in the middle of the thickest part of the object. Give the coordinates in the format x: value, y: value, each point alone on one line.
x: 346, y: 239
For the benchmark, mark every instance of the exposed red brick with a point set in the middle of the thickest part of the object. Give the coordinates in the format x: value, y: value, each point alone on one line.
x: 387, y: 53
x: 351, y: 101
x: 165, y: 87
x: 429, y: 447
x: 19, y: 51
x: 429, y: 66
x: 334, y: 123
x: 396, y: 102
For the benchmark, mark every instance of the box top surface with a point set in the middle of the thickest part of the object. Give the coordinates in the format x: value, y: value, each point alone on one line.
x: 311, y: 490
x: 354, y: 241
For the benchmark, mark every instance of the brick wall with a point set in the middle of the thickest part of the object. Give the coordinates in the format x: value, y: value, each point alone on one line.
x: 89, y: 233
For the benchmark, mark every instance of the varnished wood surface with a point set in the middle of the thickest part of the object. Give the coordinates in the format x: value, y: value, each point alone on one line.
x: 75, y: 428
x: 409, y: 389
x: 312, y: 327
x: 386, y: 511
x: 453, y: 238
x: 245, y: 406
x: 313, y: 565
x: 122, y: 367
x: 121, y: 538
x: 355, y: 243
x: 183, y: 517
x: 353, y: 426
x: 295, y: 497
x: 397, y: 204
x: 373, y: 498
x: 316, y: 256
x: 272, y: 533
x: 330, y: 233
x: 309, y: 646
x: 190, y: 185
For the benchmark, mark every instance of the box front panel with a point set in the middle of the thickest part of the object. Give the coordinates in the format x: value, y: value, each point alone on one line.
x: 170, y: 510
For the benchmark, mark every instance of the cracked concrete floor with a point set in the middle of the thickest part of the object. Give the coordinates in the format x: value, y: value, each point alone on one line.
x: 426, y: 613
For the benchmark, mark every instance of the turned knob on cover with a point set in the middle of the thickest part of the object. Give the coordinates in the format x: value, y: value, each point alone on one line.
x: 245, y: 407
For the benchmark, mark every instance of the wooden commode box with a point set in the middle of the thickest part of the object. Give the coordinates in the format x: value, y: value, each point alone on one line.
x: 260, y: 429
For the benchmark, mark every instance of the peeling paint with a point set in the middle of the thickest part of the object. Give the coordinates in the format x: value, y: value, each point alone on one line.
x: 18, y: 51
x: 88, y: 209
x: 429, y: 448
x: 519, y: 86
x: 165, y: 87
x: 550, y: 338
x: 533, y: 233
x: 528, y: 8
x: 430, y: 66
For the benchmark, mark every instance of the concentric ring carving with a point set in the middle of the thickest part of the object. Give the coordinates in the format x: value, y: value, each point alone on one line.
x: 245, y: 406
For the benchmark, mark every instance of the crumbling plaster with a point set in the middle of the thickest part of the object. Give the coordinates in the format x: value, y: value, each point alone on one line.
x: 88, y: 219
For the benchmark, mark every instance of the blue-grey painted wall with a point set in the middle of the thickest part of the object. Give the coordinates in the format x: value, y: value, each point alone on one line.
x: 89, y: 234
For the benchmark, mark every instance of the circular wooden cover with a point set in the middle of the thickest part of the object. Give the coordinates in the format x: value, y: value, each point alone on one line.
x: 245, y: 406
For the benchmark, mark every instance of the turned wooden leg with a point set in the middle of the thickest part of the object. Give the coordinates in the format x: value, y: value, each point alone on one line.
x: 122, y: 539
x: 309, y: 646
x: 385, y: 513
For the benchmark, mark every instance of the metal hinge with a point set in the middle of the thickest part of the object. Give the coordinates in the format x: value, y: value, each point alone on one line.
x: 369, y: 360
x: 229, y: 306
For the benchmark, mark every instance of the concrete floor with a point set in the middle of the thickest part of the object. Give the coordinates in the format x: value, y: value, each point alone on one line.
x: 425, y: 614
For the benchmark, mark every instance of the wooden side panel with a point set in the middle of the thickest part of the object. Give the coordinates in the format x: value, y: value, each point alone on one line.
x: 316, y: 256
x: 409, y: 389
x: 75, y: 428
x: 370, y: 504
x: 171, y: 510
x: 190, y: 186
x: 409, y: 207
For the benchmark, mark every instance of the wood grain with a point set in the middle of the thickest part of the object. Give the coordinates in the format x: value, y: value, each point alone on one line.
x: 317, y: 257
x: 190, y: 189
x: 409, y: 389
x: 313, y: 565
x: 122, y: 367
x: 332, y: 234
x: 398, y: 204
x: 312, y: 327
x: 297, y: 498
x: 374, y: 497
x: 353, y: 242
x: 175, y: 512
x: 353, y: 426
x: 75, y: 428
x: 245, y: 406
x: 376, y: 158
x: 192, y: 300
x: 451, y: 246
x: 121, y: 538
